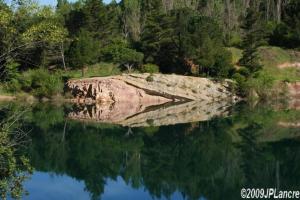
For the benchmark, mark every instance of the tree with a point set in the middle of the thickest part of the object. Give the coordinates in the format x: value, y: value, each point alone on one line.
x: 292, y: 20
x: 83, y: 51
x: 113, y: 27
x: 183, y: 39
x: 120, y: 52
x: 7, y: 34
x: 47, y: 35
x: 253, y: 38
x: 286, y: 33
x: 151, y: 35
x: 131, y: 19
x: 206, y: 47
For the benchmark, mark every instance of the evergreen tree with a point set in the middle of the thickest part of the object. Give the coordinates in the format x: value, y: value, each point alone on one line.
x: 206, y: 47
x: 112, y: 28
x: 253, y: 38
x: 184, y: 39
x: 83, y: 50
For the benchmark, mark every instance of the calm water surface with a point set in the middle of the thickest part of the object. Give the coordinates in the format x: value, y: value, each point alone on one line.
x: 212, y: 159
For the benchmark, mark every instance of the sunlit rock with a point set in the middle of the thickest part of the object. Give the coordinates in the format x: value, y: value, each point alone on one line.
x: 151, y: 89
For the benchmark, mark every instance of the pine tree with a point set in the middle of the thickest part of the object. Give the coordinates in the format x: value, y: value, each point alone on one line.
x: 253, y: 38
x: 83, y: 50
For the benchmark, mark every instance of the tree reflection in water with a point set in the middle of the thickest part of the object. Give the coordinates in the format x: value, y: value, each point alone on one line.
x: 212, y: 159
x: 14, y: 166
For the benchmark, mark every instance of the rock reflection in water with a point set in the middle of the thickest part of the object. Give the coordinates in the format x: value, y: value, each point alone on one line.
x: 137, y: 115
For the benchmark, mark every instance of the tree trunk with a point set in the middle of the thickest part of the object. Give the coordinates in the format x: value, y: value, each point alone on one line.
x: 63, y: 56
x: 64, y: 132
x: 129, y: 67
x: 278, y: 6
x: 267, y: 10
x: 83, y: 70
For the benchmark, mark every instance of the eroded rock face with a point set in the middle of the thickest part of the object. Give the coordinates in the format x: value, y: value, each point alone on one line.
x: 150, y: 89
x: 294, y: 93
x: 112, y: 90
x: 135, y: 115
x: 294, y: 89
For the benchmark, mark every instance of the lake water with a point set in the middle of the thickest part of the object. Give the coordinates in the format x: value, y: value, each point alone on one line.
x: 241, y: 146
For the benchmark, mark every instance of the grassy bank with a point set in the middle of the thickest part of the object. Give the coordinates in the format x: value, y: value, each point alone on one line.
x: 100, y: 69
x: 271, y: 58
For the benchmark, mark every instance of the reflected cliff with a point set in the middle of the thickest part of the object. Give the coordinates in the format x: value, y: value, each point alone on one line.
x: 136, y: 115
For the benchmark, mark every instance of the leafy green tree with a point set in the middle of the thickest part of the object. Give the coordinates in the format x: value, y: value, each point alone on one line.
x: 120, y: 52
x: 7, y: 33
x: 15, y: 168
x: 46, y: 36
x: 253, y: 38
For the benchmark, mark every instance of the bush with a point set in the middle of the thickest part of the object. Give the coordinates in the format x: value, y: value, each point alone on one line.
x: 263, y: 85
x: 38, y: 82
x: 119, y: 51
x: 149, y: 68
x: 150, y: 78
x: 242, y: 86
x: 244, y: 71
x: 233, y: 39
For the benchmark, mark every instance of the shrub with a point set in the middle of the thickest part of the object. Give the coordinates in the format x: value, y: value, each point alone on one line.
x: 242, y: 87
x: 244, y: 72
x: 13, y: 86
x: 38, y: 82
x: 119, y: 51
x: 150, y: 78
x: 263, y: 85
x: 149, y: 68
x: 233, y: 39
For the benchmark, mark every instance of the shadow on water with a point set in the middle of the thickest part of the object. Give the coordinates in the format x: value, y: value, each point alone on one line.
x: 212, y: 158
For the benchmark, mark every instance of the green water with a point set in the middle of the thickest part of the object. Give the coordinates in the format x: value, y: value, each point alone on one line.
x: 251, y: 147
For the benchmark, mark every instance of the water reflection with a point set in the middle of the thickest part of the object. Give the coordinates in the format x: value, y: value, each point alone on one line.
x: 210, y: 159
x: 65, y: 187
x: 132, y: 115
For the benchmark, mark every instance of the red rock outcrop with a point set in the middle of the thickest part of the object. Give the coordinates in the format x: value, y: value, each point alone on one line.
x: 294, y: 93
x: 150, y: 89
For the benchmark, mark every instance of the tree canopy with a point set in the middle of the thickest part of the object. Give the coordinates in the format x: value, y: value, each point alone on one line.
x: 185, y: 37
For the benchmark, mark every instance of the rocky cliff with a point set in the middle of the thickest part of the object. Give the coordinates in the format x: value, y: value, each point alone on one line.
x: 150, y: 89
x: 294, y: 94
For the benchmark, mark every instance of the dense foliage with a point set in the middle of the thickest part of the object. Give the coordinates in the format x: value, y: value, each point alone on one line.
x: 14, y: 166
x: 184, y: 37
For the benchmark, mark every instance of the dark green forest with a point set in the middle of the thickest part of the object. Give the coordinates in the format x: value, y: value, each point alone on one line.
x: 40, y: 46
